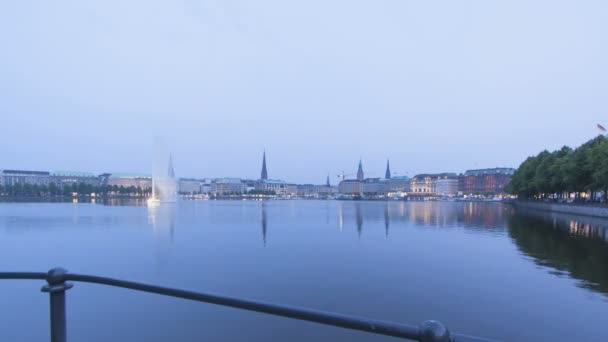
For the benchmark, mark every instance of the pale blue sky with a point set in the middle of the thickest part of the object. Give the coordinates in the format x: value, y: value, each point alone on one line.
x: 432, y: 85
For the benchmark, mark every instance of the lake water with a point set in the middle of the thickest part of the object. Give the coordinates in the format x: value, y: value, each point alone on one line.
x: 483, y: 269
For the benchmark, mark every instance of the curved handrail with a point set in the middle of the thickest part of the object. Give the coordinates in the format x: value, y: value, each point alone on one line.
x: 427, y: 331
x: 23, y: 275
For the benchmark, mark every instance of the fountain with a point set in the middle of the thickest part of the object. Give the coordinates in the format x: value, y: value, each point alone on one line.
x: 164, y: 185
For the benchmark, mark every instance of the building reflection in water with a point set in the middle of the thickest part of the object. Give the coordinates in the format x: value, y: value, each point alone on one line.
x: 470, y: 216
x: 162, y: 219
x: 572, y: 245
x: 387, y: 220
x: 567, y: 245
x: 341, y: 216
x: 130, y: 202
x: 359, y: 218
x: 264, y: 222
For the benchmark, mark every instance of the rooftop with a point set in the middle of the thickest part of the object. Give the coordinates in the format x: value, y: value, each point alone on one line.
x: 25, y: 172
x: 228, y: 180
x: 73, y: 174
x: 273, y: 181
x: 437, y: 175
x: 493, y: 171
x: 129, y: 175
x: 191, y: 179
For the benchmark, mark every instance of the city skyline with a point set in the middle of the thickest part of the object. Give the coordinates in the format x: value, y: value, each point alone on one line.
x: 264, y: 174
x: 88, y: 86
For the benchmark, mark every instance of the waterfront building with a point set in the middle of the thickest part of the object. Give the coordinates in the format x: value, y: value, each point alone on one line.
x: 103, y: 178
x: 426, y: 184
x: 190, y: 185
x: 447, y: 186
x: 63, y: 178
x: 398, y: 184
x: 227, y: 186
x: 316, y: 191
x: 279, y: 187
x: 486, y: 181
x: 126, y: 180
x: 206, y: 186
x: 360, y: 185
x: 13, y: 177
x: 350, y: 186
x: 373, y: 186
x: 291, y: 190
x: 325, y: 191
x: 249, y: 185
x: 305, y: 190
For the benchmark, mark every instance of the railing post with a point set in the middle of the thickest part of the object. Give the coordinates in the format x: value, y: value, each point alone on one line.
x: 56, y: 287
x: 433, y: 331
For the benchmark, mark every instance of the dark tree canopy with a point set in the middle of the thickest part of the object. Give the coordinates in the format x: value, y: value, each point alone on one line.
x: 559, y: 173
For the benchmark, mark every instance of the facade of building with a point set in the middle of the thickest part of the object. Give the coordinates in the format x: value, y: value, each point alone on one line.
x: 350, y: 186
x: 426, y: 184
x: 63, y: 178
x: 325, y: 190
x: 206, y: 186
x: 305, y: 190
x: 190, y: 186
x: 226, y: 186
x: 13, y: 177
x: 447, y: 186
x: 292, y: 190
x: 316, y: 191
x: 398, y: 184
x: 486, y: 181
x: 248, y: 185
x: 279, y: 187
x: 373, y: 186
x: 129, y: 179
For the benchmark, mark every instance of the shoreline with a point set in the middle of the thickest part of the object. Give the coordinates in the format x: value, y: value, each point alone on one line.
x: 573, y: 209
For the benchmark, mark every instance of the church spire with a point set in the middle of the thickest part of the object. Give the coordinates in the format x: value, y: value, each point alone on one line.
x: 360, y: 174
x: 387, y: 175
x: 170, y: 171
x: 327, y: 183
x: 264, y: 175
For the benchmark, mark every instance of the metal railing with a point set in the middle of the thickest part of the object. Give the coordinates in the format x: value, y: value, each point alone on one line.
x: 57, y: 285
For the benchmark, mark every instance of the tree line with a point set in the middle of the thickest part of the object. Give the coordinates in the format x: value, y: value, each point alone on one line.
x: 564, y: 172
x: 36, y: 190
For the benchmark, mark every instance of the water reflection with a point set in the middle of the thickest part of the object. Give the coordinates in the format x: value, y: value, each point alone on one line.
x: 568, y: 245
x: 470, y: 216
x: 386, y: 220
x: 571, y: 245
x: 359, y: 218
x: 162, y: 219
x: 264, y: 222
x: 131, y: 202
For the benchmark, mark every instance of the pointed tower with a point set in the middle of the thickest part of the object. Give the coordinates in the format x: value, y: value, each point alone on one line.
x: 360, y: 174
x: 387, y: 175
x: 264, y: 175
x: 170, y: 171
x: 327, y: 183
